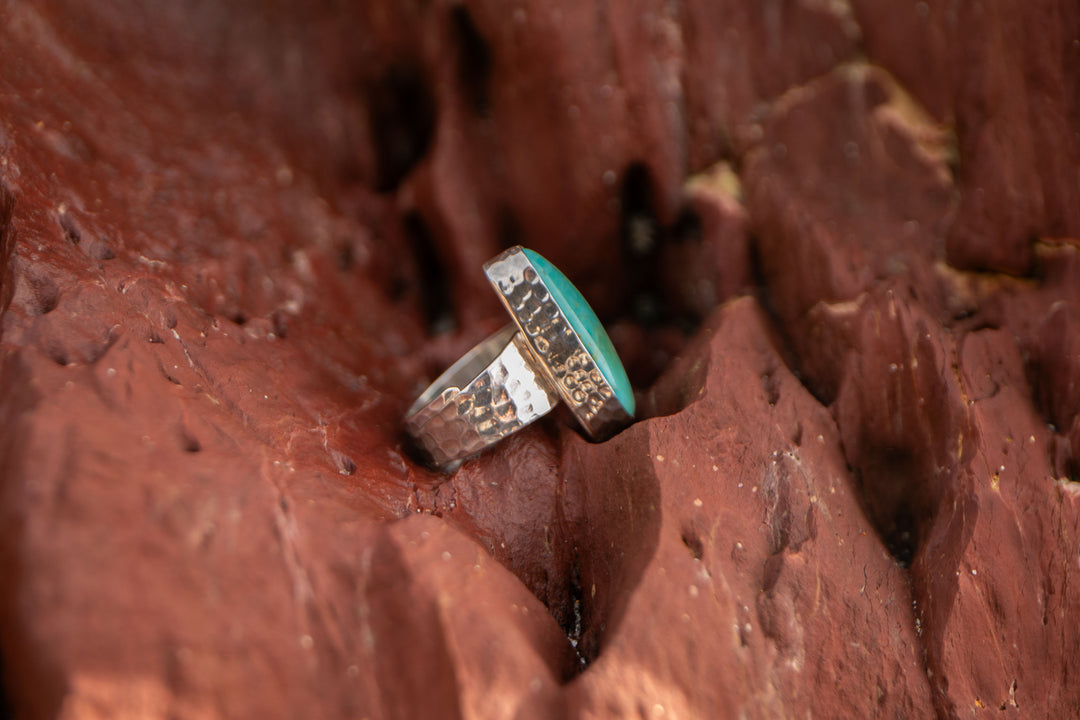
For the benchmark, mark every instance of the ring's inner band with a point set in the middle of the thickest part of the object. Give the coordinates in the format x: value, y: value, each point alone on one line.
x: 465, y: 370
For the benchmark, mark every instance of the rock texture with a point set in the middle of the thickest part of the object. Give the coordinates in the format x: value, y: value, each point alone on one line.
x: 836, y: 244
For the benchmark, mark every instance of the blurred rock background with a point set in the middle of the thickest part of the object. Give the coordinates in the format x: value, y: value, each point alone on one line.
x: 835, y: 243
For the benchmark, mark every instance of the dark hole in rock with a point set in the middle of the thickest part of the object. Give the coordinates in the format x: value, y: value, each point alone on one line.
x: 432, y: 275
x: 639, y: 228
x: 689, y: 300
x: 770, y: 575
x: 613, y: 542
x: 901, y: 537
x: 693, y: 543
x: 508, y: 229
x: 58, y: 355
x: 44, y: 294
x: 962, y: 314
x: 6, y: 711
x: 71, y: 230
x: 656, y: 329
x: 1051, y: 369
x: 1063, y: 456
x: 189, y: 442
x: 688, y: 227
x: 100, y: 250
x: 474, y: 61
x: 167, y: 375
x: 402, y: 118
x: 7, y: 247
x: 280, y: 324
x: 882, y: 695
x: 416, y: 452
x: 771, y: 385
x: 345, y: 464
x: 572, y: 622
x: 777, y: 326
x: 891, y: 500
x: 640, y: 236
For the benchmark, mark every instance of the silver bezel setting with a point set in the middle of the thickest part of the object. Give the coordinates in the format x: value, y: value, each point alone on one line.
x: 559, y: 351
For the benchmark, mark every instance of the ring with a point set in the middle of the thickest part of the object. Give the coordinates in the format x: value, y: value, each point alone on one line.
x: 555, y: 349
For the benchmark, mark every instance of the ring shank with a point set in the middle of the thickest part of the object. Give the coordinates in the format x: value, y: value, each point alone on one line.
x: 494, y: 390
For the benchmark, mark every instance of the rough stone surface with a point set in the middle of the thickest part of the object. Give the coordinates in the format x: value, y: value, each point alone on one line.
x: 835, y: 244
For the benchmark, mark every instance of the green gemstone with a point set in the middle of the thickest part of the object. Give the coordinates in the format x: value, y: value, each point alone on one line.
x: 585, y: 323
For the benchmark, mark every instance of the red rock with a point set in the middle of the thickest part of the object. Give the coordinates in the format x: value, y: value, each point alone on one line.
x: 236, y: 241
x: 1004, y: 77
x: 732, y: 524
x: 817, y: 189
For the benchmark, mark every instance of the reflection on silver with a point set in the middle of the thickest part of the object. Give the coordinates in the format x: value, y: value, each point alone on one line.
x: 491, y: 392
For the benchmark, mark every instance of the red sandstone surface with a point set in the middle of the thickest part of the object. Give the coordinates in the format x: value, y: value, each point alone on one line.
x: 836, y: 244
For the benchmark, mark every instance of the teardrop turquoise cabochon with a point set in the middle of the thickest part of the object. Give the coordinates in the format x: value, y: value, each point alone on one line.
x: 585, y: 323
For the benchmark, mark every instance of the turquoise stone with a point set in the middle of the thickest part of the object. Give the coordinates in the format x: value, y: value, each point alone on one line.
x: 585, y: 323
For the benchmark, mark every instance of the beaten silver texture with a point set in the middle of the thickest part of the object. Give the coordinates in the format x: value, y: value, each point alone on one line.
x: 514, y: 377
x: 491, y: 392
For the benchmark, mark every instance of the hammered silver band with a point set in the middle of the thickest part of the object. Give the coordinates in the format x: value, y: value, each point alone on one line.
x: 491, y: 392
x: 518, y: 374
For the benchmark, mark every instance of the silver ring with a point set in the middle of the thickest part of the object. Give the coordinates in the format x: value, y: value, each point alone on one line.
x: 554, y: 350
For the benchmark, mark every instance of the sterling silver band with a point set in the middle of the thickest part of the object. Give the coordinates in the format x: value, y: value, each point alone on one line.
x: 491, y: 392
